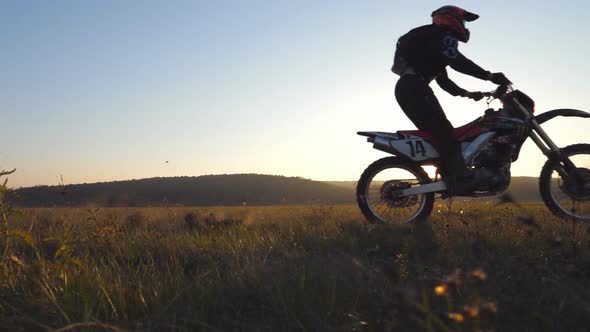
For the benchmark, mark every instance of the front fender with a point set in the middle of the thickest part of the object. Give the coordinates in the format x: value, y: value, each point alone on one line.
x: 544, y: 117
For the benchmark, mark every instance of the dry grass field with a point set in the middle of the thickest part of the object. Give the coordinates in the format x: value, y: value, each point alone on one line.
x: 471, y: 267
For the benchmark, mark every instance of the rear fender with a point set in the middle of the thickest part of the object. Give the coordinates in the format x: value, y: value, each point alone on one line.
x: 544, y: 117
x: 412, y: 147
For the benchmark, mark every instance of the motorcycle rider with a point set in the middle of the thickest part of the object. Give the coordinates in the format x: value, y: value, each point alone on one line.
x: 421, y: 56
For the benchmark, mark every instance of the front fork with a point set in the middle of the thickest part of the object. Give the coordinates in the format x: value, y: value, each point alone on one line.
x: 565, y: 167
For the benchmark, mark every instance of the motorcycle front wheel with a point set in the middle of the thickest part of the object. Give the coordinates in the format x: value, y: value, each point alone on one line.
x: 375, y: 192
x: 569, y: 197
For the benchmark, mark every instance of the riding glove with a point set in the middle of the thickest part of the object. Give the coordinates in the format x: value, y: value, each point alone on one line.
x: 499, y: 79
x: 477, y: 96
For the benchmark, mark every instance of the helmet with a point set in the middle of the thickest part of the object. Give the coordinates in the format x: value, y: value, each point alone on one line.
x: 453, y: 18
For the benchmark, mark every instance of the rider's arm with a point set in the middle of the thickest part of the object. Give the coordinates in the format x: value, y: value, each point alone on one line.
x: 468, y: 67
x: 448, y: 85
x: 459, y: 62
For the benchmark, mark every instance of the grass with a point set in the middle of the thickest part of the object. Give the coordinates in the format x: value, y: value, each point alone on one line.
x: 473, y: 267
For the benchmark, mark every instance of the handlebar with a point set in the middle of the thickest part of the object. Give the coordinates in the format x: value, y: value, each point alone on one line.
x: 499, y: 92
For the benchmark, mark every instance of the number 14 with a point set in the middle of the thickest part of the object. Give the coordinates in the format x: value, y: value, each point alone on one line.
x: 416, y: 147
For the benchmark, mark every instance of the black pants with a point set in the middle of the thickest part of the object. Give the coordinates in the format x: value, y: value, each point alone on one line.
x: 419, y: 103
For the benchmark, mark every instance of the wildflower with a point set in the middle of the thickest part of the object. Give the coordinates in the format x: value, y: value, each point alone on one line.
x: 454, y: 278
x: 16, y: 260
x: 471, y: 311
x: 489, y: 306
x: 441, y: 290
x: 357, y: 263
x: 457, y: 317
x: 479, y: 274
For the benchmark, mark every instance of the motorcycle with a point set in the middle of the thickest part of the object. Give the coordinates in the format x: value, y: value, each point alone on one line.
x: 398, y: 189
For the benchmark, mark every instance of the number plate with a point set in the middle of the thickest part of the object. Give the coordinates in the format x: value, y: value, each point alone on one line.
x: 415, y: 148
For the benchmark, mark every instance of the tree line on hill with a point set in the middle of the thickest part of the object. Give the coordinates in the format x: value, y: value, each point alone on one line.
x: 209, y: 190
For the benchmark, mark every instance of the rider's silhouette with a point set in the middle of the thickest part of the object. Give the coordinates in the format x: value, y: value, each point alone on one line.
x: 422, y: 55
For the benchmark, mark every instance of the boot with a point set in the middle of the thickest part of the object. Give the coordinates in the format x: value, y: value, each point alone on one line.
x: 459, y: 180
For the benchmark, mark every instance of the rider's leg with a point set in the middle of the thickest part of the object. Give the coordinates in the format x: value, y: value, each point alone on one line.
x: 420, y: 104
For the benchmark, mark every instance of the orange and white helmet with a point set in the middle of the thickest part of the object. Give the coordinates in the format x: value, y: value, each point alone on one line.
x: 453, y: 19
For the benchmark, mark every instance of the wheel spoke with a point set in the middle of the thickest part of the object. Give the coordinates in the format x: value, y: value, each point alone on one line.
x: 386, y: 206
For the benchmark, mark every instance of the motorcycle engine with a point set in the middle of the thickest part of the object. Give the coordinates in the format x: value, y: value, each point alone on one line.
x: 492, y: 165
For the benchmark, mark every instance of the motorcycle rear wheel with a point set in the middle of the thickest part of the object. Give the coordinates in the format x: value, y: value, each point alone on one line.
x: 375, y: 198
x: 568, y: 200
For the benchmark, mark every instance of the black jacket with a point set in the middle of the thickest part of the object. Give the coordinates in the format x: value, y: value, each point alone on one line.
x: 427, y: 51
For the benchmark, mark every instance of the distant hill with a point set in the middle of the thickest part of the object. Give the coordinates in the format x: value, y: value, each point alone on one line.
x: 525, y: 189
x: 210, y: 190
x: 237, y: 189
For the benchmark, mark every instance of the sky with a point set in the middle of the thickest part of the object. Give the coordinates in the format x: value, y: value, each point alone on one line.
x: 94, y: 91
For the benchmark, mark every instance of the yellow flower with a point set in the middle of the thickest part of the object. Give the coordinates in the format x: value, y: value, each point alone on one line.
x: 489, y: 306
x: 457, y: 317
x: 441, y: 290
x: 16, y: 260
x: 479, y: 274
x: 471, y: 311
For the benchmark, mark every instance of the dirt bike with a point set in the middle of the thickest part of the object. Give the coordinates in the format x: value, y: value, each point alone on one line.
x: 398, y: 189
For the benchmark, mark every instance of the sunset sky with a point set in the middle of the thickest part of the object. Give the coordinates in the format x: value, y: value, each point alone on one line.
x: 112, y: 90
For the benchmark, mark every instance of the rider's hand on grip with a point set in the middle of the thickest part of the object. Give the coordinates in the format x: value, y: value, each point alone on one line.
x: 477, y: 96
x: 499, y: 79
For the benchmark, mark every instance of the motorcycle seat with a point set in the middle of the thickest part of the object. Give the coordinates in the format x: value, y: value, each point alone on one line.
x: 463, y: 133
